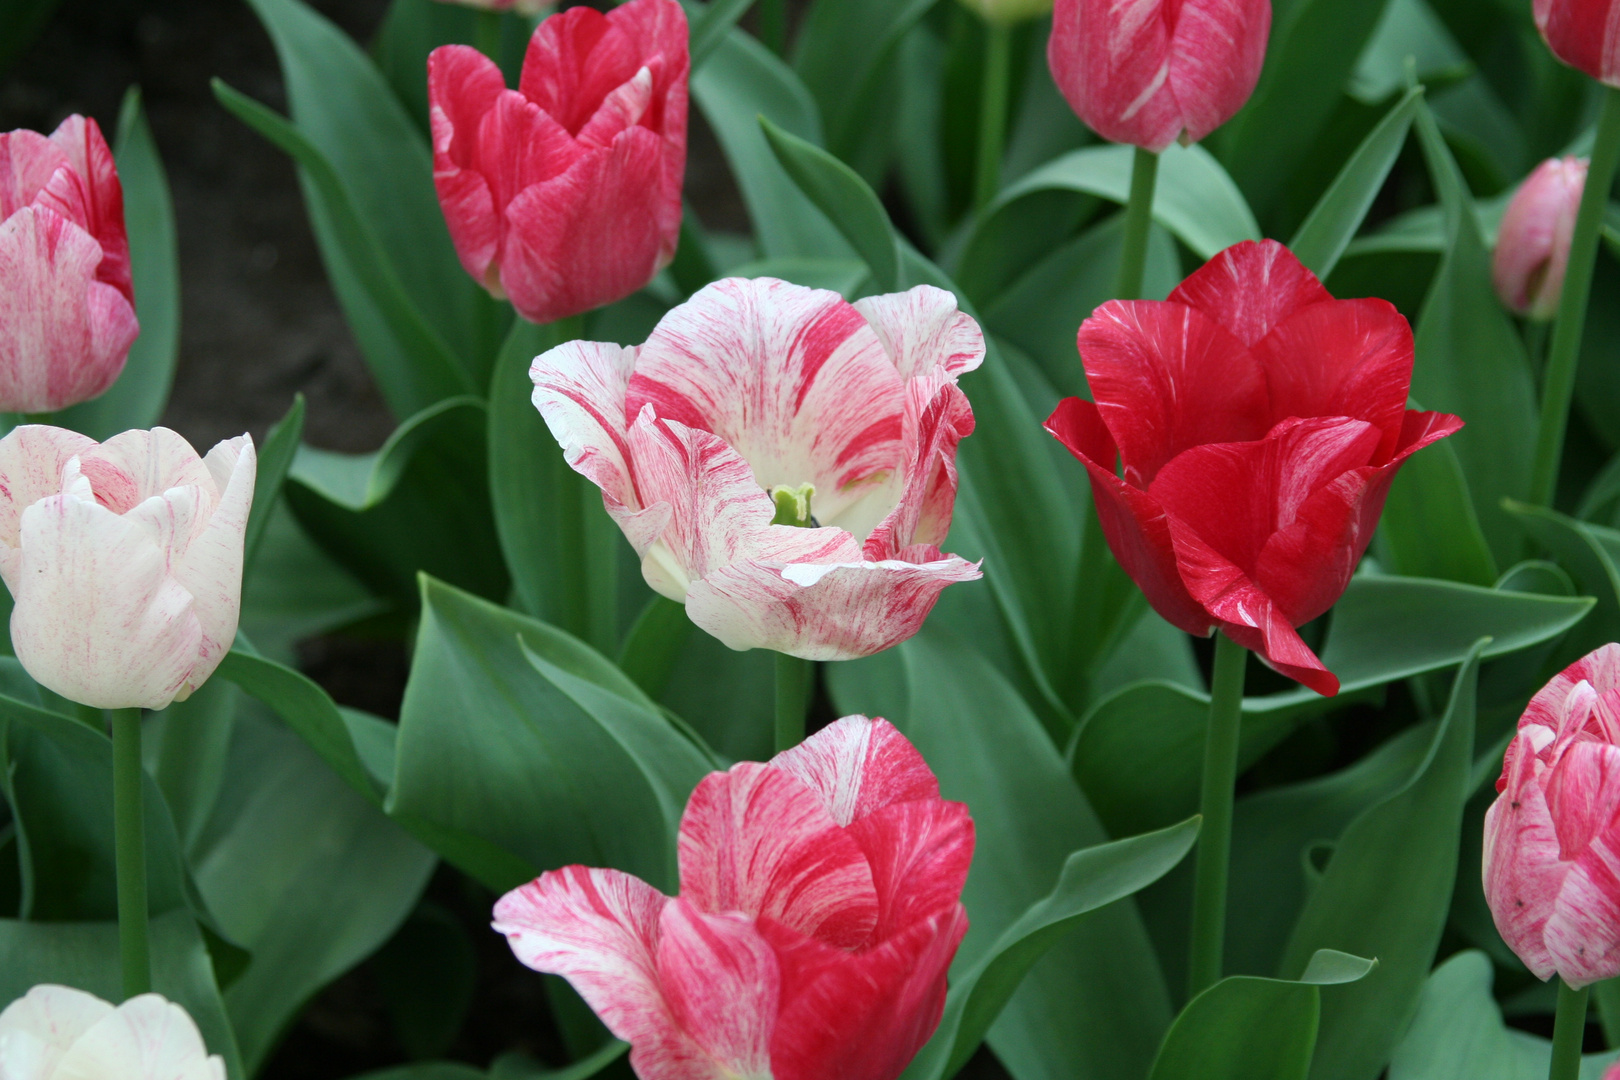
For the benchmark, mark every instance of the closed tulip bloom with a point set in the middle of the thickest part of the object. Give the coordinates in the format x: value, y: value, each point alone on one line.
x: 58, y: 1033
x: 124, y: 559
x: 1260, y: 423
x: 817, y: 916
x: 1532, y: 249
x: 1147, y: 72
x: 565, y: 194
x: 1552, y: 837
x: 67, y: 307
x: 756, y: 407
x: 1584, y: 34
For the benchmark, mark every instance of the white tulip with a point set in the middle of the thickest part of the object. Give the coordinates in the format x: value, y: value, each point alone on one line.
x: 58, y: 1033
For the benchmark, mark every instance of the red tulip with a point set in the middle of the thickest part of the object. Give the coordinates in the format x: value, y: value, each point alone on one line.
x: 1532, y: 249
x: 1146, y: 72
x: 67, y: 307
x: 817, y: 917
x: 1260, y: 423
x: 1584, y: 34
x: 565, y: 194
x: 1552, y: 837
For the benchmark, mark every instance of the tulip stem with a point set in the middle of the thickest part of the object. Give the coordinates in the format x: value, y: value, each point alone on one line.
x: 1569, y: 1031
x: 1215, y: 837
x: 1564, y: 355
x: 794, y: 678
x: 487, y: 35
x: 129, y: 841
x: 773, y: 25
x: 1138, y: 220
x: 993, y: 113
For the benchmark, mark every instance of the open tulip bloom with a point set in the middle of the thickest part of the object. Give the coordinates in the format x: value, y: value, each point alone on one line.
x: 67, y: 304
x: 755, y: 408
x: 58, y: 1033
x: 817, y: 916
x: 1259, y: 423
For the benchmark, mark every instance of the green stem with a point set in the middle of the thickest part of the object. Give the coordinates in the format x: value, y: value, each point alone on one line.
x: 1569, y: 1031
x: 129, y: 839
x: 1565, y: 352
x: 1215, y: 837
x: 993, y: 113
x: 1138, y: 220
x: 773, y: 25
x: 793, y: 680
x: 487, y: 35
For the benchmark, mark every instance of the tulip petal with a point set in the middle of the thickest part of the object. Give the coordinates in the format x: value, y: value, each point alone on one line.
x: 720, y: 978
x: 32, y: 457
x: 134, y: 466
x: 1522, y: 873
x: 1601, y: 668
x: 1583, y: 35
x: 1532, y: 246
x: 1583, y: 931
x: 39, y: 1027
x: 1251, y: 287
x: 463, y: 86
x: 1112, y: 62
x: 1216, y: 52
x: 922, y: 329
x: 599, y: 929
x: 858, y: 766
x: 81, y: 140
x: 1167, y: 378
x: 919, y: 853
x: 758, y: 840
x: 211, y: 567
x: 28, y: 161
x: 145, y: 1038
x: 574, y: 61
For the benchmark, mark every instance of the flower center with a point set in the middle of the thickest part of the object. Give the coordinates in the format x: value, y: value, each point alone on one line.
x: 793, y: 506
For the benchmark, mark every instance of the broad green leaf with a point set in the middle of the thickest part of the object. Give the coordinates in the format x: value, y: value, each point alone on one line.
x: 844, y: 276
x: 1385, y: 893
x: 185, y: 747
x: 1591, y: 554
x: 302, y: 871
x: 1429, y: 527
x: 137, y: 399
x: 1091, y: 879
x: 414, y: 28
x: 1139, y: 752
x: 515, y: 1067
x: 408, y: 357
x: 275, y: 458
x: 1245, y: 1026
x: 1343, y: 207
x: 1096, y: 1004
x: 521, y: 750
x: 710, y: 28
x: 845, y: 198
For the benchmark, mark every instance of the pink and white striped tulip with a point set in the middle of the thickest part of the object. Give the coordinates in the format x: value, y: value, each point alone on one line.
x: 565, y: 194
x: 1147, y: 72
x: 750, y: 397
x: 1584, y: 34
x: 67, y: 305
x: 58, y: 1033
x: 817, y: 917
x: 124, y: 559
x: 1532, y: 248
x: 1552, y: 837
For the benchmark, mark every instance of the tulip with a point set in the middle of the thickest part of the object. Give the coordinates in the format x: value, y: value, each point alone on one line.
x: 57, y: 1033
x: 818, y: 913
x: 1146, y: 72
x: 67, y: 307
x: 1552, y: 833
x: 124, y: 559
x: 758, y: 406
x: 1260, y: 423
x: 565, y: 194
x: 1532, y: 249
x: 1584, y: 34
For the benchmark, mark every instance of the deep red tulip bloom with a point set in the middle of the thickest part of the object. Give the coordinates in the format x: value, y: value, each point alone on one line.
x: 565, y: 194
x: 818, y: 914
x: 67, y: 306
x: 1147, y: 72
x: 1584, y: 34
x: 1260, y: 423
x: 1532, y: 248
x: 1552, y: 837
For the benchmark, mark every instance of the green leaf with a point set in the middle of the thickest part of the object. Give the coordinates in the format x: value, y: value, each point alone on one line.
x: 1091, y: 879
x: 185, y: 748
x: 137, y: 399
x: 1096, y: 1004
x: 1386, y: 893
x: 513, y: 1067
x: 1343, y: 207
x: 710, y: 28
x: 412, y: 29
x: 1245, y: 1026
x: 428, y: 1070
x: 845, y: 198
x: 1591, y: 554
x: 409, y: 359
x: 844, y: 276
x: 1429, y: 527
x: 1139, y: 752
x: 522, y: 750
x: 275, y: 458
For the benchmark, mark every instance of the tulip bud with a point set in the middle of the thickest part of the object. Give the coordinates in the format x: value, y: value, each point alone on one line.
x: 565, y: 194
x: 1532, y: 249
x: 1149, y: 72
x: 124, y: 559
x: 522, y: 7
x: 1552, y: 833
x: 1008, y: 11
x: 55, y: 1032
x: 67, y: 306
x: 1583, y: 34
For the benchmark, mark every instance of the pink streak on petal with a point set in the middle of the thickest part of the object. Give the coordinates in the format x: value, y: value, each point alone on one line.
x: 858, y: 766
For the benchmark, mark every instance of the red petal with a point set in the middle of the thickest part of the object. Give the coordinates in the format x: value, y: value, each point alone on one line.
x: 721, y: 980
x: 1112, y: 62
x: 1584, y: 34
x: 919, y: 853
x: 1216, y: 52
x: 1251, y: 287
x: 463, y: 86
x: 858, y: 766
x: 81, y: 139
x: 574, y: 61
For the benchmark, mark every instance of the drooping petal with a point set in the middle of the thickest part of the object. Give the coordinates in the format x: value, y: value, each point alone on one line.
x: 32, y: 457
x: 858, y: 766
x: 922, y: 329
x: 1167, y: 378
x: 39, y: 1027
x: 721, y: 980
x: 923, y: 513
x: 1522, y: 873
x: 81, y: 140
x: 145, y: 1038
x: 919, y: 853
x: 757, y: 840
x: 1216, y: 51
x: 1251, y: 287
